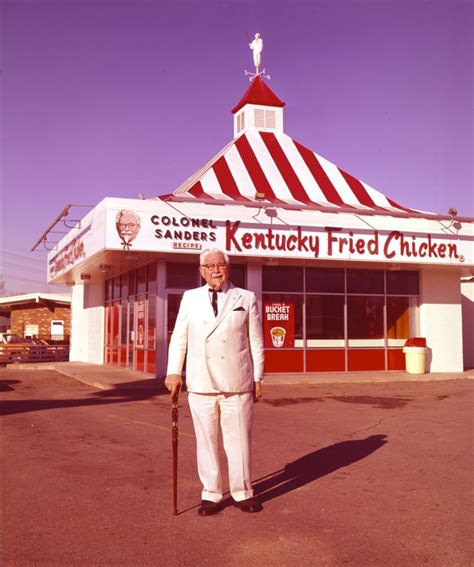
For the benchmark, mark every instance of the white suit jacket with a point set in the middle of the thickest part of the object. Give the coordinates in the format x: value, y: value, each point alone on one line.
x: 224, y: 353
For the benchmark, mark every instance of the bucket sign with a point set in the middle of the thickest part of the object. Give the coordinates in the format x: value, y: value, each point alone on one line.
x: 279, y: 324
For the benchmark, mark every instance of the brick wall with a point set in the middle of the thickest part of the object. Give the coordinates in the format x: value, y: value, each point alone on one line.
x: 41, y: 315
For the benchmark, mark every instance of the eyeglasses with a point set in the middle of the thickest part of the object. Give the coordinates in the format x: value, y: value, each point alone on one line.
x: 210, y: 267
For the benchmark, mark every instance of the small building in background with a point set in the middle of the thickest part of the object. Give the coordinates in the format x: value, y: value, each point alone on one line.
x: 44, y: 316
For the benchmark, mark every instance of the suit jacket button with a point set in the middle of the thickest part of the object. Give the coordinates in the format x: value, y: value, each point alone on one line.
x: 223, y: 340
x: 222, y: 357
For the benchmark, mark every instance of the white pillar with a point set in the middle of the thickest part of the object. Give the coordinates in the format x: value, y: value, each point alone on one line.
x: 441, y: 319
x: 87, y: 323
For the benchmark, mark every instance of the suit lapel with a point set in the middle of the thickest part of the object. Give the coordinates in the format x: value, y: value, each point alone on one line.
x: 230, y: 300
x: 206, y: 303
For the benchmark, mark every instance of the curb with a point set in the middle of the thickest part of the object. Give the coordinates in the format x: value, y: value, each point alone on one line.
x: 123, y: 379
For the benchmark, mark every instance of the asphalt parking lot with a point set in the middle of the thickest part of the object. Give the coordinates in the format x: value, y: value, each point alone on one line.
x: 348, y: 473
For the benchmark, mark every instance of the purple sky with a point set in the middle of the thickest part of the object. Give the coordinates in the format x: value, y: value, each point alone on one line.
x: 115, y: 98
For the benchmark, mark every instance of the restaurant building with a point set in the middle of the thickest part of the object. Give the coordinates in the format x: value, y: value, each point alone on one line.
x: 343, y: 274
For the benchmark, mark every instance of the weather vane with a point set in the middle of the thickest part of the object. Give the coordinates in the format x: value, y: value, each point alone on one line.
x: 257, y: 47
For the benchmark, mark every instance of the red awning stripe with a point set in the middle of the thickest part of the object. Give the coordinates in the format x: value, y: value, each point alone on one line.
x: 255, y: 170
x: 226, y: 180
x: 359, y: 190
x: 197, y: 191
x: 284, y: 167
x: 320, y: 176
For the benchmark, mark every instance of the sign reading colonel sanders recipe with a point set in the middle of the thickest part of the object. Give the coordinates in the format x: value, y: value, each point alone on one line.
x: 279, y: 324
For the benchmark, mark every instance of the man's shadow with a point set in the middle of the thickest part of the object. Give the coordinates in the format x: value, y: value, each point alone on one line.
x: 313, y: 466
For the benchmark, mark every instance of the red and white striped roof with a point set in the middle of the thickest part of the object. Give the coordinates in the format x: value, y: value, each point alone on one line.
x: 286, y: 172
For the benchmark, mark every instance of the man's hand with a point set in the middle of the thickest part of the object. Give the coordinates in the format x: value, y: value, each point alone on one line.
x: 257, y: 391
x: 174, y: 383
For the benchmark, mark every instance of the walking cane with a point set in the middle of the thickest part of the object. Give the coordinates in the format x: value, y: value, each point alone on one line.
x: 174, y: 442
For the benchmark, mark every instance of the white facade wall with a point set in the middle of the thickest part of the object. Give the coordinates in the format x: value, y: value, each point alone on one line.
x: 467, y: 291
x: 87, y: 323
x: 441, y: 319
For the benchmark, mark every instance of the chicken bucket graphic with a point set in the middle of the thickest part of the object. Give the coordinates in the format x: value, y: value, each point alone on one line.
x: 278, y: 336
x: 279, y: 324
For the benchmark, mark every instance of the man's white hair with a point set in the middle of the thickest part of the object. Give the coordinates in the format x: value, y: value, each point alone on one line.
x: 208, y: 251
x: 123, y: 212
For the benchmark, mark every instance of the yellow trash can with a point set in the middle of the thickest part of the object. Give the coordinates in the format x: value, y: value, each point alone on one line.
x: 415, y: 359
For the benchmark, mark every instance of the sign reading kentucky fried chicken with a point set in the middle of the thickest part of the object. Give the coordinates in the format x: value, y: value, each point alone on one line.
x: 279, y: 324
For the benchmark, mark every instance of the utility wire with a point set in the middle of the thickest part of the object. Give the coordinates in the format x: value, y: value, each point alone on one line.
x: 22, y: 257
x: 19, y: 279
x: 19, y: 267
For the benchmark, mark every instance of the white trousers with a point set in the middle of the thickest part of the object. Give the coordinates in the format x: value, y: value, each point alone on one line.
x: 235, y: 414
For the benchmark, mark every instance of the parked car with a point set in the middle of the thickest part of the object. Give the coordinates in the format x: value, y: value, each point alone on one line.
x: 15, y: 349
x: 48, y: 351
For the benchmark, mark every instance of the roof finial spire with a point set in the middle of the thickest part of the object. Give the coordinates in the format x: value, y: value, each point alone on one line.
x: 257, y: 47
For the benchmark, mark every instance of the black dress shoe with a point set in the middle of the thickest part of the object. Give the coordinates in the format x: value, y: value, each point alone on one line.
x: 208, y: 508
x: 250, y: 505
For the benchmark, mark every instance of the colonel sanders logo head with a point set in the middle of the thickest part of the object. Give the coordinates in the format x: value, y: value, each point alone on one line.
x: 128, y: 226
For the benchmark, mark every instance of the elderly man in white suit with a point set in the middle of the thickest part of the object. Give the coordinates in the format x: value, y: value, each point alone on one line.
x: 218, y: 325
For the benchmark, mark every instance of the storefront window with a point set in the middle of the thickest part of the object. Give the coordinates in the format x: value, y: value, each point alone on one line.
x: 401, y: 319
x: 108, y: 333
x: 123, y: 326
x: 181, y: 276
x: 122, y: 352
x: 131, y: 283
x: 151, y: 335
x: 140, y: 338
x: 282, y: 278
x: 109, y: 290
x: 238, y: 275
x: 314, y: 319
x: 365, y: 281
x: 131, y: 332
x: 151, y: 277
x: 365, y: 320
x: 124, y: 288
x: 174, y: 300
x: 151, y: 322
x: 324, y: 320
x: 141, y: 280
x: 325, y: 280
x: 116, y: 287
x: 115, y: 324
x: 403, y: 283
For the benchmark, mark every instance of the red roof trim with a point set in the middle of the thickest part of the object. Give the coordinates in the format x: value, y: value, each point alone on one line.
x: 397, y: 206
x: 197, y: 191
x: 259, y: 93
x: 359, y: 190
